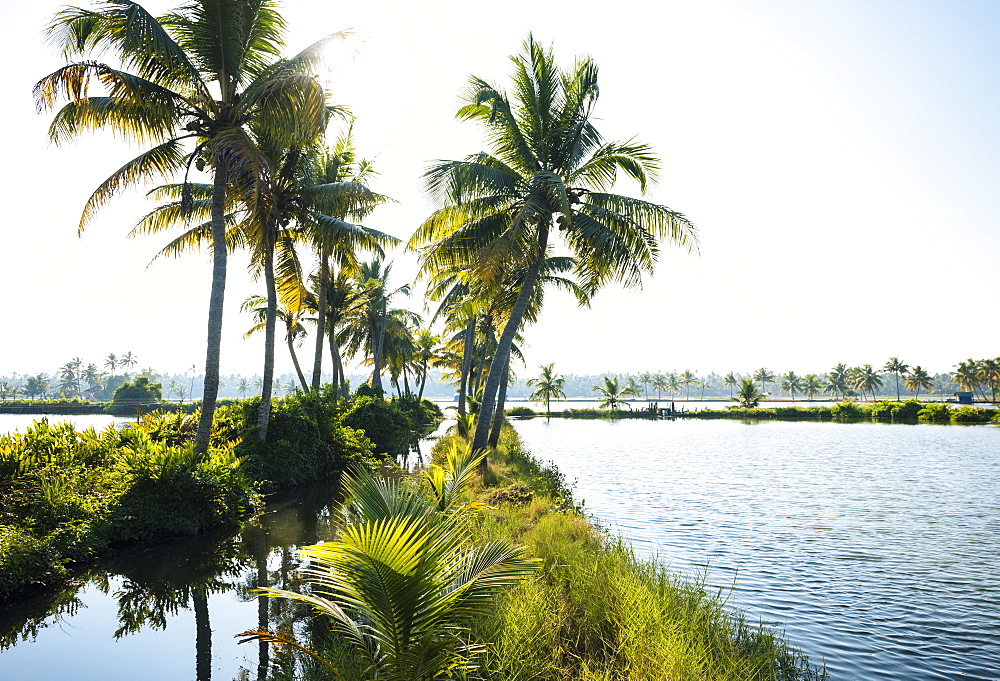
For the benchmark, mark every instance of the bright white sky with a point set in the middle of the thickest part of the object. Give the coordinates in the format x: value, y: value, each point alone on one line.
x: 841, y: 161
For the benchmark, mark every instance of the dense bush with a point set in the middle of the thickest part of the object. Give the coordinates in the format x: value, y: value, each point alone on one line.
x: 935, y: 413
x: 391, y: 428
x: 520, y: 411
x: 67, y: 495
x: 306, y: 440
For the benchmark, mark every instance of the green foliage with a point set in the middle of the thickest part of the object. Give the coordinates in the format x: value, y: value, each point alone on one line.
x: 748, y: 397
x: 67, y: 495
x: 140, y: 391
x: 306, y: 440
x: 520, y: 411
x: 972, y: 415
x: 846, y: 411
x: 935, y: 413
x: 388, y: 425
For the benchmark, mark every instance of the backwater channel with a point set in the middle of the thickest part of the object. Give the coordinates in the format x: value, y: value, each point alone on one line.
x: 874, y: 546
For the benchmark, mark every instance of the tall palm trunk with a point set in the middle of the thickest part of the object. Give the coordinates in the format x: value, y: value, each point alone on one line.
x: 203, y: 634
x: 324, y: 283
x: 377, y: 347
x: 498, y: 416
x: 215, y: 306
x: 467, y: 345
x: 423, y: 379
x: 502, y: 353
x: 336, y: 369
x: 267, y: 382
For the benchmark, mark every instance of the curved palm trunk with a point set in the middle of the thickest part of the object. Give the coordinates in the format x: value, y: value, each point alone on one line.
x: 423, y: 379
x: 470, y: 336
x: 267, y: 382
x: 502, y: 353
x: 295, y: 361
x: 337, y: 369
x: 498, y: 416
x: 324, y: 283
x: 215, y: 307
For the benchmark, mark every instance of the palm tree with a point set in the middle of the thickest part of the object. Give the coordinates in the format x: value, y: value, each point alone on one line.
x: 967, y: 376
x: 400, y: 585
x: 837, y: 380
x: 35, y: 386
x: 549, y: 173
x: 243, y: 385
x: 811, y: 385
x: 128, y: 361
x: 202, y: 75
x: 291, y: 312
x: 112, y: 363
x: 688, y: 378
x: 674, y: 383
x: 747, y: 396
x: 763, y: 376
x: 547, y: 386
x: 645, y: 379
x: 864, y: 379
x: 631, y: 388
x: 659, y: 383
x: 612, y: 394
x: 916, y: 379
x: 791, y: 383
x: 426, y: 345
x: 730, y: 381
x: 989, y: 373
x: 896, y: 367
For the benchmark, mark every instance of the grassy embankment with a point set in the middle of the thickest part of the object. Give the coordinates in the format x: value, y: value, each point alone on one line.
x: 67, y: 496
x: 597, y: 612
x: 909, y: 411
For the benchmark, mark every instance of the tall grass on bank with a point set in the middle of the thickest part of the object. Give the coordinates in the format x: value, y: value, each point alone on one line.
x: 598, y: 612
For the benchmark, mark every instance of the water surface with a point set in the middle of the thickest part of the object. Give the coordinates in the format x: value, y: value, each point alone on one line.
x: 875, y: 546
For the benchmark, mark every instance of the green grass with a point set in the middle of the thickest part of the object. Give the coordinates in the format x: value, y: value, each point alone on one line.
x: 598, y: 612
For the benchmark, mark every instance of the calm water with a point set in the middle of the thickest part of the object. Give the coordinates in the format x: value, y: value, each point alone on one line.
x: 877, y: 547
x: 21, y: 422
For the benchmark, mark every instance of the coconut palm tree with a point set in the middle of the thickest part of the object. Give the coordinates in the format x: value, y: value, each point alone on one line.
x: 763, y: 376
x: 549, y: 173
x: 674, y: 383
x: 645, y: 379
x: 791, y: 383
x: 611, y: 394
x: 426, y: 345
x: 111, y: 363
x: 631, y: 388
x: 836, y: 380
x: 918, y: 378
x: 547, y: 386
x: 128, y: 361
x: 400, y: 585
x: 811, y: 385
x: 659, y: 384
x: 747, y: 396
x: 730, y: 381
x: 688, y: 379
x: 291, y: 312
x: 864, y: 379
x: 193, y: 84
x: 896, y: 367
x: 989, y: 374
x: 967, y: 376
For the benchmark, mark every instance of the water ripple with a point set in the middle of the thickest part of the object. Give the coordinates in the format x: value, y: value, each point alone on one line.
x: 873, y: 546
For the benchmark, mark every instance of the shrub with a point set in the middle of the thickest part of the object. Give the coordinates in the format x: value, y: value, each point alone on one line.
x: 521, y: 411
x: 935, y: 413
x: 139, y: 392
x: 390, y: 428
x: 905, y: 411
x: 846, y: 411
x: 971, y: 415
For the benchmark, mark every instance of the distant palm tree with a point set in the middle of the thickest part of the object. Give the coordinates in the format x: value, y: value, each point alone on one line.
x: 645, y: 379
x: 547, y: 386
x: 916, y: 379
x: 764, y: 376
x: 967, y: 376
x: 896, y: 367
x: 989, y: 373
x: 674, y: 383
x: 704, y: 385
x: 112, y: 363
x: 747, y: 396
x: 243, y: 385
x: 811, y: 385
x: 631, y: 388
x: 127, y: 361
x: 730, y: 381
x: 836, y: 380
x: 791, y: 383
x: 660, y: 383
x: 688, y: 379
x: 865, y: 379
x: 611, y: 393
